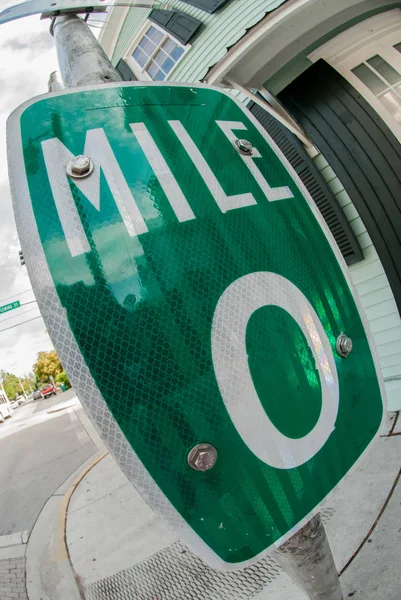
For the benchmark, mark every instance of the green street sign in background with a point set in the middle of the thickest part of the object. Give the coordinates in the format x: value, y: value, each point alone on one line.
x: 194, y: 298
x: 6, y: 307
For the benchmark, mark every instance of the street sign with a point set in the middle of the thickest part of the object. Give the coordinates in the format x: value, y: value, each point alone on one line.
x: 199, y: 305
x: 6, y: 307
x: 55, y: 7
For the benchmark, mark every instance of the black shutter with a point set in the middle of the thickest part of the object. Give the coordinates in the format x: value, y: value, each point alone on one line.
x: 210, y: 6
x: 182, y: 26
x: 125, y: 71
x: 361, y: 149
x: 314, y: 183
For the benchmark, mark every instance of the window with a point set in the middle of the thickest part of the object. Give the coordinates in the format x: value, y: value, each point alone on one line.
x: 383, y: 81
x: 157, y: 53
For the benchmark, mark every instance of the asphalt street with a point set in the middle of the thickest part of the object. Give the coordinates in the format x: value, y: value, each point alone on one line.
x: 40, y: 446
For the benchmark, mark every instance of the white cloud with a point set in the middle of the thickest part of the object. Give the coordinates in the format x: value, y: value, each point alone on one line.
x: 27, y: 57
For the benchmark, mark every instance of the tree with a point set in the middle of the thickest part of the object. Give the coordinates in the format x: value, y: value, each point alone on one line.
x: 11, y: 385
x: 47, y: 364
x: 63, y: 379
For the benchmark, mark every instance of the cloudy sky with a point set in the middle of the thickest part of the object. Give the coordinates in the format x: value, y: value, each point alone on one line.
x: 27, y: 57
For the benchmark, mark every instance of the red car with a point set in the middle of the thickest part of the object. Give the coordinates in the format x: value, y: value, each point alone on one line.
x: 48, y: 390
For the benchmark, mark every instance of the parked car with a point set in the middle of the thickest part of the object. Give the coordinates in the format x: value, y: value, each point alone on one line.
x: 14, y: 405
x: 37, y: 394
x: 20, y: 400
x: 48, y: 390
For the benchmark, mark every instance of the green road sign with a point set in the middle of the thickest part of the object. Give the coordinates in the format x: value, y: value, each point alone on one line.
x: 6, y: 307
x: 195, y: 296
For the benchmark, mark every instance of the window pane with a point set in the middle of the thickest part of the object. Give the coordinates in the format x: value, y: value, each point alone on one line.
x: 152, y: 69
x: 147, y: 46
x: 168, y: 46
x: 168, y: 65
x: 176, y: 53
x: 160, y: 76
x: 369, y: 78
x: 140, y: 57
x: 160, y: 58
x: 385, y: 70
x: 393, y: 104
x: 155, y: 35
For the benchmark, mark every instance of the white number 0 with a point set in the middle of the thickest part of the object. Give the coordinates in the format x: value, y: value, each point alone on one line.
x: 234, y: 309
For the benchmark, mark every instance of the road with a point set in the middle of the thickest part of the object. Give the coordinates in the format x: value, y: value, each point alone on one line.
x: 40, y: 446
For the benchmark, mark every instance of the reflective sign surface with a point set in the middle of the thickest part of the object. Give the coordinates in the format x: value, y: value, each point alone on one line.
x: 194, y: 298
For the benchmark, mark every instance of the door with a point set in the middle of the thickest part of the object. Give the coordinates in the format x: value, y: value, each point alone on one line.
x: 368, y: 56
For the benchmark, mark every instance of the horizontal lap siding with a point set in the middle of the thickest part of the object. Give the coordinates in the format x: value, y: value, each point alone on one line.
x: 219, y: 32
x: 374, y: 291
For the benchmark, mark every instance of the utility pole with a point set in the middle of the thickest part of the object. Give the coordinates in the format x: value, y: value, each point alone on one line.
x: 82, y: 60
x: 2, y: 388
x: 306, y: 556
x: 307, y: 559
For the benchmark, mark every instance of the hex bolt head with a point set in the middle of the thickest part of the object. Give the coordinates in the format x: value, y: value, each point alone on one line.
x: 243, y: 147
x: 202, y: 457
x: 344, y: 345
x: 80, y: 166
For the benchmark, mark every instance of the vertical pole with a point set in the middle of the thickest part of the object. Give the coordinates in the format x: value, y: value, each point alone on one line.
x: 3, y: 390
x: 82, y: 60
x: 22, y: 387
x: 307, y: 559
x: 55, y: 84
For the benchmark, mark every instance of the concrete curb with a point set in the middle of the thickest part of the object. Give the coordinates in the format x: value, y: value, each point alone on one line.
x: 49, y: 571
x: 13, y: 545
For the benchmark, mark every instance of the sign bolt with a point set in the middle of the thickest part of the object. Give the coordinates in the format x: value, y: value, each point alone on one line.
x: 79, y: 166
x: 343, y: 345
x: 202, y: 457
x: 243, y: 147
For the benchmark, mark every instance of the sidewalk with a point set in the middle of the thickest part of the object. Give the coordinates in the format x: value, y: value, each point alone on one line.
x: 120, y: 550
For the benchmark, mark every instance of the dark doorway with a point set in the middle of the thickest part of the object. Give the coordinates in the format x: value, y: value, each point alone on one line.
x: 362, y: 151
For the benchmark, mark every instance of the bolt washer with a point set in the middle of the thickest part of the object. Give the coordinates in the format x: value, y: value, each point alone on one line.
x: 79, y: 167
x: 243, y: 146
x: 202, y: 457
x: 344, y: 345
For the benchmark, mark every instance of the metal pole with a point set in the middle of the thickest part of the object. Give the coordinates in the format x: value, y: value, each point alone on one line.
x: 55, y: 84
x: 2, y: 389
x: 81, y: 58
x: 23, y: 389
x: 307, y: 559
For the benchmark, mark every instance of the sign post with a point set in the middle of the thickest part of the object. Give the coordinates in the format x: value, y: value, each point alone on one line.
x: 201, y: 309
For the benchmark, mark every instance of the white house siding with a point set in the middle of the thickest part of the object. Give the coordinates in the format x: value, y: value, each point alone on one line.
x: 374, y: 291
x: 221, y: 30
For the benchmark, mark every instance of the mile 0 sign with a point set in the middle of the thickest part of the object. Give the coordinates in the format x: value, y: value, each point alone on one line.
x: 195, y: 298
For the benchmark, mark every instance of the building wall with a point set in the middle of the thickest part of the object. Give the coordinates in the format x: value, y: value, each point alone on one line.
x: 374, y: 291
x: 221, y: 30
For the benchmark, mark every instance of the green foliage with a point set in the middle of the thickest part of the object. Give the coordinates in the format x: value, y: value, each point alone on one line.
x: 47, y: 364
x: 11, y: 385
x: 63, y: 379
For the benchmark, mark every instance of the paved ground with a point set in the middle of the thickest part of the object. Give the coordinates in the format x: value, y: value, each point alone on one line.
x: 121, y: 550
x: 39, y: 449
x: 40, y: 446
x: 12, y: 579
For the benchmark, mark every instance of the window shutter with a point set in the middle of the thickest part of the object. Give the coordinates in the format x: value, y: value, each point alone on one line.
x: 125, y: 71
x: 182, y: 26
x: 314, y: 183
x: 210, y: 6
